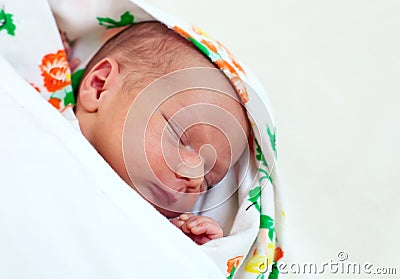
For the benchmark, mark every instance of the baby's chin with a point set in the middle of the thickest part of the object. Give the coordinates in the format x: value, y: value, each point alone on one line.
x: 164, y: 205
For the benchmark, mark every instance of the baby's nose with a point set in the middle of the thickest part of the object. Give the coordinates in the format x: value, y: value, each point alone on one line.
x: 192, y: 171
x: 192, y: 183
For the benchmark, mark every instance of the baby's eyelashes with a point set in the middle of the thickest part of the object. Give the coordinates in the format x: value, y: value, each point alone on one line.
x: 176, y: 130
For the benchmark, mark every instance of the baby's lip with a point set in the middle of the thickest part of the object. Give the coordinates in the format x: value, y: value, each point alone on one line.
x: 165, y: 197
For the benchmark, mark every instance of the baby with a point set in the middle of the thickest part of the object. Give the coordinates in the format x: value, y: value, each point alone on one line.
x: 181, y: 168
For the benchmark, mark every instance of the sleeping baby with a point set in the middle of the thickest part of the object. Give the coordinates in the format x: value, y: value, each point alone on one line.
x: 182, y: 153
x: 170, y: 109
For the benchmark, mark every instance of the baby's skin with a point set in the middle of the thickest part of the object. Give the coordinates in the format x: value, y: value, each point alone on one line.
x: 201, y: 229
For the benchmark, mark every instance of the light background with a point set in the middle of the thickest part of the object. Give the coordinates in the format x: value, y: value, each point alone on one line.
x: 332, y: 72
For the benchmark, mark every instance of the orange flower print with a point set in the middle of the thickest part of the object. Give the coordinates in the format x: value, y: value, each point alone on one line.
x: 35, y: 87
x: 222, y: 64
x: 240, y: 88
x: 210, y: 45
x: 55, y: 71
x: 278, y: 254
x: 181, y: 32
x: 237, y: 65
x: 235, y: 79
x: 231, y: 57
x: 55, y: 102
x: 233, y: 263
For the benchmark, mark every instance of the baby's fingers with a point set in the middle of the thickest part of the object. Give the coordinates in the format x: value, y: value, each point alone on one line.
x: 183, y: 220
x: 211, y: 229
x: 177, y: 222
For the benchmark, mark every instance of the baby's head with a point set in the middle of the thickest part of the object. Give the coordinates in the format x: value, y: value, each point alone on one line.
x: 176, y: 158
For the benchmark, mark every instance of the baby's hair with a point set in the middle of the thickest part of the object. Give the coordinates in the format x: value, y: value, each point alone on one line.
x: 148, y: 50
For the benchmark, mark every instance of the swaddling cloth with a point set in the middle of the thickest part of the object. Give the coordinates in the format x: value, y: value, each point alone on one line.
x: 252, y: 246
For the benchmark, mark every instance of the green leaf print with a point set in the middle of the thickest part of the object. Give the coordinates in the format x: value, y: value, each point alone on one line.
x: 125, y: 19
x: 265, y: 176
x: 272, y: 139
x: 254, y: 195
x: 210, y: 54
x: 7, y: 23
x: 271, y: 233
x: 69, y: 98
x: 200, y: 46
x: 232, y: 273
x: 260, y: 157
x: 274, y: 272
x: 267, y: 222
x: 76, y: 79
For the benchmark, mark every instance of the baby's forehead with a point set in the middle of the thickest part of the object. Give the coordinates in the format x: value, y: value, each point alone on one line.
x: 191, y: 96
x: 202, y: 93
x: 220, y: 109
x: 205, y: 83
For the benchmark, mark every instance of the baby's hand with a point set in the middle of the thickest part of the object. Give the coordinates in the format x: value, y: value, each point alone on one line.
x: 200, y: 229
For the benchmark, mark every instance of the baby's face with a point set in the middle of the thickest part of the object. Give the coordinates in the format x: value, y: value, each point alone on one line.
x: 189, y: 142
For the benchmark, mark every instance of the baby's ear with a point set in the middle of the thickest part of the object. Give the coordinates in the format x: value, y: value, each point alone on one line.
x: 96, y: 83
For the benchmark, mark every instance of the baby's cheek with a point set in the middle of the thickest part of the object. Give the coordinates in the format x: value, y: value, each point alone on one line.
x: 153, y: 150
x: 159, y: 169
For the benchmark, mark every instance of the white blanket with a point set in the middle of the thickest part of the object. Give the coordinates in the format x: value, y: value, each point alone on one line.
x: 64, y: 213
